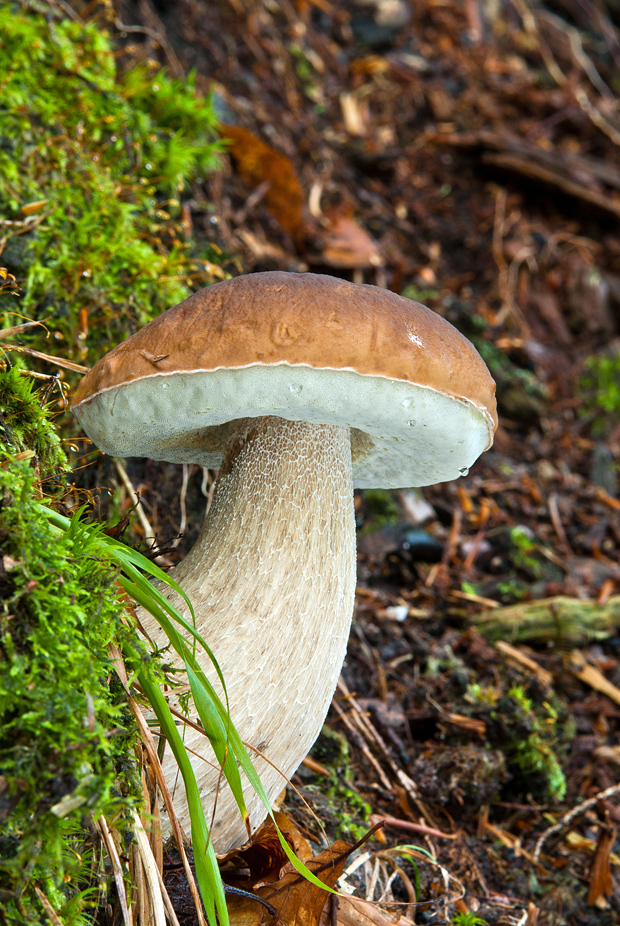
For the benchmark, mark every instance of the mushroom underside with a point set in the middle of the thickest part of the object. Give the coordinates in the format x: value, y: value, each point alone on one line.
x: 272, y: 582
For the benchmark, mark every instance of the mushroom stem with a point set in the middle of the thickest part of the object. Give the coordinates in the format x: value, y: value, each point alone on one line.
x: 272, y: 582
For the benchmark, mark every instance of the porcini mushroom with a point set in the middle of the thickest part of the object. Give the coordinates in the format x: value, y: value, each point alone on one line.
x: 296, y: 387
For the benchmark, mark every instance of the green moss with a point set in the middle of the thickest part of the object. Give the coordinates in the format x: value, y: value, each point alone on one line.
x: 24, y: 423
x: 533, y: 736
x: 65, y: 732
x: 425, y: 295
x: 526, y: 556
x: 381, y: 508
x: 467, y: 919
x: 345, y: 804
x: 92, y: 163
x: 532, y: 730
x: 342, y: 803
x: 600, y: 388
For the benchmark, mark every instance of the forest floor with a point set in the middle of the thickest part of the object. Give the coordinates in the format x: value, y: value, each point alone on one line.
x: 466, y: 155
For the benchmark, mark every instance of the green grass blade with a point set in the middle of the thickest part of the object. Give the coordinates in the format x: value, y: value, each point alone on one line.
x: 214, y: 716
x: 205, y: 861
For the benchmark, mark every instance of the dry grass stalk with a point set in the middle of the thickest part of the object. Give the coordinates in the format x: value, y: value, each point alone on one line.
x: 117, y: 868
x: 153, y: 887
x: 151, y: 749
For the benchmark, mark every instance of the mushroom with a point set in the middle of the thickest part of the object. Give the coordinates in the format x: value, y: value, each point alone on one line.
x: 296, y: 387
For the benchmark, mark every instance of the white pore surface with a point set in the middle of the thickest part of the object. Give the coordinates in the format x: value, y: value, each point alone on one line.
x: 410, y: 435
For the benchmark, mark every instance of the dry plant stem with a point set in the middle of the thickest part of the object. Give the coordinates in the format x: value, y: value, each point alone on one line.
x: 272, y: 581
x: 145, y: 524
x: 53, y: 916
x: 149, y: 864
x: 117, y: 868
x: 149, y: 745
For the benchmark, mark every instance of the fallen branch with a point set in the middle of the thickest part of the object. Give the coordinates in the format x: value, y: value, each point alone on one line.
x: 564, y: 620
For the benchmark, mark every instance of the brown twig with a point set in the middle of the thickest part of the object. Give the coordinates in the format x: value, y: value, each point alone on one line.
x: 410, y: 827
x: 576, y: 812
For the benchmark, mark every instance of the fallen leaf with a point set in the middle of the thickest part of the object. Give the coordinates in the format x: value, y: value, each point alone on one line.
x: 258, y: 163
x: 601, y: 881
x: 297, y: 901
x: 346, y: 244
x: 263, y: 857
x: 32, y: 208
x: 353, y: 911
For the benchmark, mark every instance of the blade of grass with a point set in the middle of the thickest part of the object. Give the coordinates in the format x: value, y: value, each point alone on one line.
x: 151, y: 749
x: 214, y: 716
x: 207, y: 870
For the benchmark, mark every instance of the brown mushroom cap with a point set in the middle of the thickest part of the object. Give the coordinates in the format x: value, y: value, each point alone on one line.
x: 415, y: 392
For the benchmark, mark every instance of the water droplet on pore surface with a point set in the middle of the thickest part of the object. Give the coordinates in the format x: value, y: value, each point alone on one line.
x: 407, y: 403
x: 464, y: 471
x: 411, y: 423
x: 164, y: 385
x: 295, y: 388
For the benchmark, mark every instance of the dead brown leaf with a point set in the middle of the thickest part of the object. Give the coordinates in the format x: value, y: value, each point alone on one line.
x: 601, y: 881
x: 263, y: 857
x: 297, y: 901
x: 258, y: 163
x: 352, y: 911
x: 346, y: 244
x: 266, y: 869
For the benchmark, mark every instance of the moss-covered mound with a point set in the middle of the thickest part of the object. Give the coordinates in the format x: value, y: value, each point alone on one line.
x: 92, y: 164
x: 24, y: 424
x: 65, y: 731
